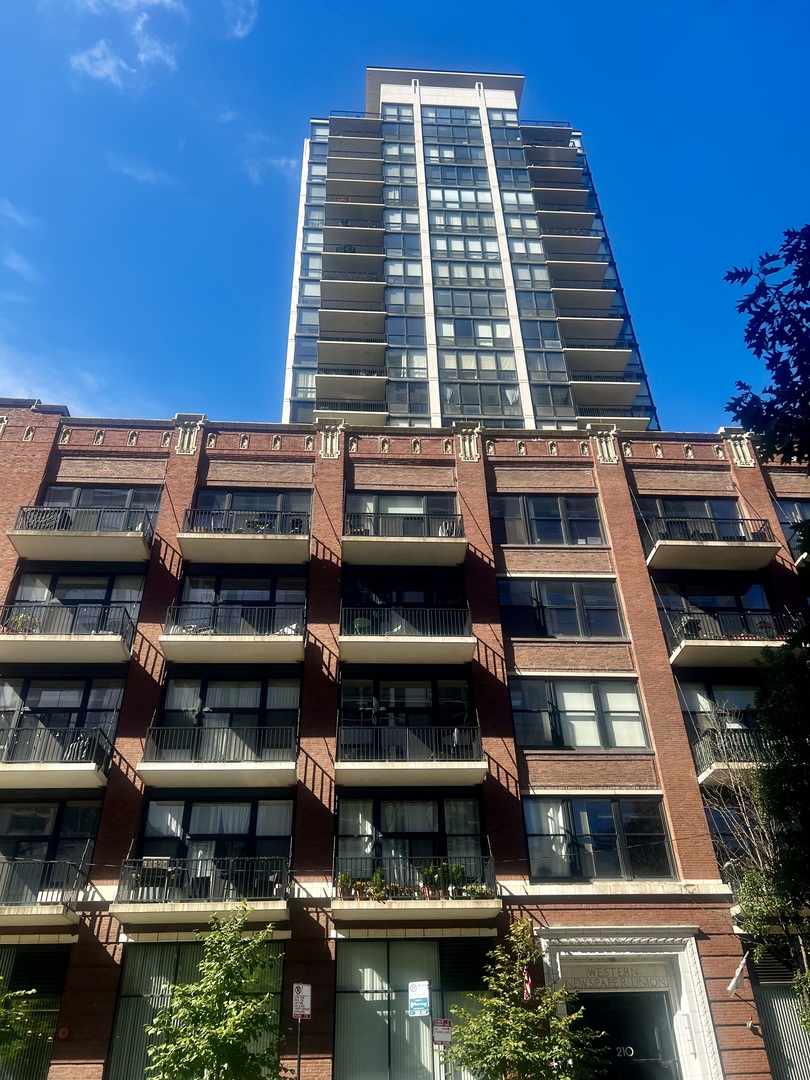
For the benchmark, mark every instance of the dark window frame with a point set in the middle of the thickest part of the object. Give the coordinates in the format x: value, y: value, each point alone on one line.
x: 528, y: 516
x: 551, y: 690
x: 539, y: 620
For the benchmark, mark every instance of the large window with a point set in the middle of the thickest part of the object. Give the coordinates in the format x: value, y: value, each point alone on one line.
x: 372, y: 998
x: 76, y: 603
x: 473, y: 365
x: 45, y: 847
x: 401, y: 514
x: 108, y: 508
x: 226, y: 604
x: 426, y: 587
x: 596, y: 838
x: 146, y: 973
x: 204, y: 830
x: 709, y: 706
x: 546, y: 519
x: 560, y: 609
x: 222, y: 716
x: 42, y: 968
x: 55, y: 719
x: 472, y: 399
x: 258, y: 501
x: 387, y: 701
x: 793, y: 512
x: 577, y: 713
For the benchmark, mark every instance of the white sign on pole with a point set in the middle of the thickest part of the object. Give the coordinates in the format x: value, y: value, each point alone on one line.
x: 302, y: 1001
x: 419, y: 999
x: 442, y: 1032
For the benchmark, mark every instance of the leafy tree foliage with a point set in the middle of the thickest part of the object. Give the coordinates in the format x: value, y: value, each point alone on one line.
x: 507, y: 1036
x: 778, y: 332
x: 14, y: 1020
x: 219, y: 1028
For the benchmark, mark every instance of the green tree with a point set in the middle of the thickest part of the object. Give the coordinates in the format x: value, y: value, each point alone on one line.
x: 509, y: 1036
x: 14, y: 1020
x: 220, y: 1028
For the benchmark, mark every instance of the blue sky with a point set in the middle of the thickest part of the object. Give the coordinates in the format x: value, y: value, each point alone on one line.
x: 149, y: 152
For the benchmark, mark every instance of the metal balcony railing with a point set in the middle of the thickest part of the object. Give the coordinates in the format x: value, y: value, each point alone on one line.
x: 405, y: 622
x: 351, y: 305
x: 352, y: 223
x: 550, y: 229
x: 251, y: 522
x: 599, y: 343
x: 590, y: 313
x: 344, y: 174
x: 371, y: 200
x: 260, y: 620
x: 628, y: 412
x: 372, y: 744
x: 728, y: 626
x: 352, y: 336
x: 35, y: 741
x: 543, y: 183
x: 159, y: 880
x: 442, y: 877
x: 354, y: 249
x: 33, y: 881
x: 379, y: 373
x: 354, y: 115
x: 546, y: 123
x: 347, y: 152
x: 350, y: 275
x: 733, y: 530
x: 573, y: 256
x: 734, y: 746
x: 565, y: 208
x: 604, y: 376
x: 353, y: 406
x: 225, y: 743
x: 28, y: 617
x: 59, y: 519
x: 441, y: 526
x: 547, y: 142
x: 578, y: 283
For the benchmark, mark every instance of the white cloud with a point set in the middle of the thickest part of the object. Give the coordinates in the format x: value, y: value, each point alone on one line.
x: 100, y: 62
x: 150, y: 49
x: 16, y: 214
x: 98, y: 7
x: 240, y: 17
x: 227, y: 116
x: 258, y: 167
x: 12, y: 260
x: 140, y: 171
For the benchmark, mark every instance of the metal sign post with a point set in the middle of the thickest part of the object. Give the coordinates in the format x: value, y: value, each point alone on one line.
x: 419, y: 1005
x: 301, y: 1010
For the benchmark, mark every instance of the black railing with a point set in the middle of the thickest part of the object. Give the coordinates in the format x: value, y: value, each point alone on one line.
x: 158, y: 880
x: 441, y: 526
x: 628, y: 412
x: 546, y: 123
x: 548, y: 228
x: 598, y: 343
x: 442, y: 877
x: 578, y: 283
x: 409, y: 744
x: 344, y: 174
x: 351, y: 305
x: 379, y: 373
x: 353, y: 406
x: 352, y: 336
x: 733, y: 530
x: 405, y: 622
x: 545, y: 183
x: 730, y: 747
x: 226, y: 743
x: 34, y: 741
x: 234, y: 620
x: 728, y: 626
x: 603, y: 376
x: 251, y: 522
x: 346, y: 152
x: 565, y: 208
x: 372, y: 200
x: 549, y: 142
x: 28, y: 617
x: 352, y: 223
x: 590, y: 313
x: 354, y: 115
x: 353, y: 249
x: 32, y: 881
x: 350, y: 275
x: 85, y: 519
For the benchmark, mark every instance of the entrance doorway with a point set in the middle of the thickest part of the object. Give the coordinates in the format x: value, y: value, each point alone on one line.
x: 639, y: 1033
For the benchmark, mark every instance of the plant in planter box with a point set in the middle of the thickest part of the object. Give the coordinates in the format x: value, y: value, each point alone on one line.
x: 458, y: 879
x: 478, y: 892
x: 443, y: 880
x: 360, y: 890
x: 428, y: 881
x: 344, y: 885
x: 377, y: 889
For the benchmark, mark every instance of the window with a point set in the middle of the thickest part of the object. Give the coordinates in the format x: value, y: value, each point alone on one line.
x: 474, y: 399
x: 479, y: 332
x: 53, y: 719
x: 407, y: 397
x: 546, y: 519
x: 47, y: 843
x: 465, y: 247
x: 469, y: 198
x: 239, y: 706
x: 398, y: 112
x: 535, y: 304
x: 476, y: 365
x: 396, y: 150
x: 509, y: 154
x: 386, y: 702
x: 454, y: 153
x: 546, y: 366
x: 77, y: 603
x: 402, y: 245
x: 406, y: 363
x: 399, y: 331
x: 551, y: 400
x: 560, y: 609
x: 372, y: 997
x: 264, y: 510
x: 793, y: 512
x: 427, y: 588
x: 400, y: 195
x: 404, y: 301
x: 307, y: 321
x: 205, y: 830
x: 396, y: 220
x: 514, y: 178
x: 531, y: 276
x: 537, y: 334
x: 312, y: 240
x: 476, y: 274
x: 469, y: 302
x: 472, y: 221
x: 401, y: 515
x: 596, y: 838
x: 577, y: 714
x: 304, y: 385
x: 147, y: 970
x: 526, y: 250
x: 521, y: 223
x: 397, y: 172
x: 704, y: 705
x: 517, y: 200
x: 309, y: 293
x: 113, y: 508
x: 403, y: 272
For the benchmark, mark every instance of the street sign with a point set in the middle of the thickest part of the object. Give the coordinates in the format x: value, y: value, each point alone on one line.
x: 419, y: 999
x: 302, y: 1001
x: 442, y: 1032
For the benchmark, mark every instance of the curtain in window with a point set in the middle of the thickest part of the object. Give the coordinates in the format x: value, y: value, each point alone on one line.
x: 408, y: 817
x: 220, y: 818
x: 164, y: 819
x: 183, y: 695
x: 623, y: 714
x: 274, y: 818
x: 228, y: 695
x: 283, y: 695
x: 549, y: 837
x: 578, y: 715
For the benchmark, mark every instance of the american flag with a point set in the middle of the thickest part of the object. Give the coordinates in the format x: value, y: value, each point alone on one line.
x: 527, y: 984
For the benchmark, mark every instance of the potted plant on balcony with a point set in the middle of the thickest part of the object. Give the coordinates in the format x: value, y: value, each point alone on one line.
x: 21, y: 623
x: 478, y: 892
x: 377, y: 889
x: 443, y: 880
x: 429, y: 882
x: 360, y: 890
x: 344, y: 885
x: 458, y: 879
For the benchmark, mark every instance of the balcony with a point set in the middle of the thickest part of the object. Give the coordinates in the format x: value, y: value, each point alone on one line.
x: 187, y: 892
x: 725, y: 638
x: 708, y: 544
x: 79, y: 534
x: 442, y: 888
x: 36, y: 632
x: 632, y: 418
x: 418, y: 757
x: 350, y: 384
x: 406, y: 635
x: 351, y: 347
x: 234, y: 633
x: 37, y: 893
x: 359, y: 413
x: 719, y: 754
x: 404, y: 539
x: 226, y: 756
x: 245, y: 536
x: 34, y: 755
x: 598, y: 354
x: 604, y: 388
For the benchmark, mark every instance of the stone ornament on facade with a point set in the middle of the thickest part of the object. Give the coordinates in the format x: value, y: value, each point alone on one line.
x: 3, y: 423
x: 606, y: 447
x: 416, y: 446
x: 688, y: 452
x: 352, y: 443
x: 384, y: 444
x: 166, y: 438
x: 627, y: 449
x: 489, y: 448
x: 98, y: 438
x: 448, y: 446
x: 657, y: 451
x: 211, y: 441
x: 309, y: 443
x: 132, y: 438
x: 467, y: 441
x: 553, y: 449
x: 187, y: 437
x: 741, y: 452
x: 719, y: 452
x: 583, y: 450
x: 244, y: 442
x: 276, y: 444
x: 64, y: 436
x: 521, y: 448
x: 330, y: 440
x: 28, y: 434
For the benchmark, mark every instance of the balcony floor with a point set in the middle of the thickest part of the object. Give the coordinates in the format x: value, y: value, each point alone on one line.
x: 712, y: 554
x: 56, y: 914
x: 453, y: 911
x: 359, y: 649
x: 404, y: 550
x: 231, y: 648
x: 50, y: 775
x: 696, y: 652
x: 74, y: 546
x: 237, y: 548
x: 217, y: 774
x: 194, y: 913
x: 410, y: 773
x: 63, y: 649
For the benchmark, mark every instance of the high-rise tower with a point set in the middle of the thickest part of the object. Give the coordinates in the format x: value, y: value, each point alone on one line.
x: 452, y: 262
